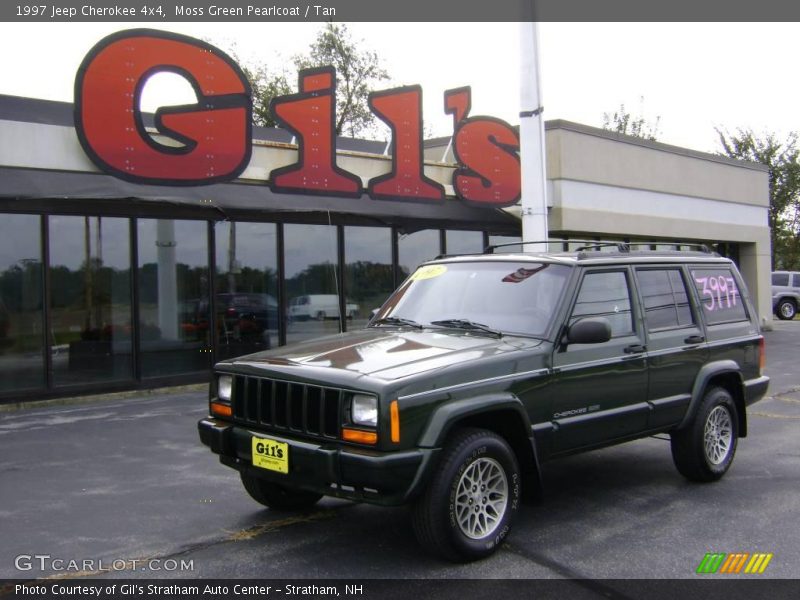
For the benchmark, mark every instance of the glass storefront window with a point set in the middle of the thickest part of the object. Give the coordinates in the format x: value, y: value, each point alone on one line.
x: 415, y: 248
x: 173, y: 296
x: 312, y: 288
x: 247, y: 287
x: 368, y: 272
x: 464, y: 242
x: 90, y: 306
x: 21, y: 357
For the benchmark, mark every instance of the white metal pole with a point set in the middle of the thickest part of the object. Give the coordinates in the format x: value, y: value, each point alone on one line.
x: 531, y: 133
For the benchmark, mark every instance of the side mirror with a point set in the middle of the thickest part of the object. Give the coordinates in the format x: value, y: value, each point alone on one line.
x: 591, y: 330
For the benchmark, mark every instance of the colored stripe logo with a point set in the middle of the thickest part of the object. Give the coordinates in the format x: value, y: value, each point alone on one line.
x: 734, y: 564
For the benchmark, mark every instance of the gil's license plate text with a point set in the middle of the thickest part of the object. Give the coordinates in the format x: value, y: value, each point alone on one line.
x: 271, y: 454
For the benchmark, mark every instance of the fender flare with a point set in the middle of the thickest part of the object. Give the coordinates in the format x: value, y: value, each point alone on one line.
x: 447, y: 416
x: 706, y: 374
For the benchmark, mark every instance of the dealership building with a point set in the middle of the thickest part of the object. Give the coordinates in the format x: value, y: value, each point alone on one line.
x: 108, y: 284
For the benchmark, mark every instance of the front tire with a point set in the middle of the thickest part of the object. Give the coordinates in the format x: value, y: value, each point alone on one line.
x: 276, y: 496
x: 786, y: 310
x: 704, y: 450
x: 467, y: 509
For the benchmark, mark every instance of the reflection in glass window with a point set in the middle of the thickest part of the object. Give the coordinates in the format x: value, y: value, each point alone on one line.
x: 606, y: 295
x: 415, y: 248
x: 173, y: 296
x: 368, y: 271
x: 90, y: 306
x: 311, y: 281
x: 21, y: 360
x: 666, y: 303
x: 464, y: 242
x: 247, y: 287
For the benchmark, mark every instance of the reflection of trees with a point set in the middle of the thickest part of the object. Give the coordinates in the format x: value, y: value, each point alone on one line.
x: 16, y: 284
x: 192, y: 282
x: 368, y: 280
x: 69, y: 289
x: 314, y: 279
x: 365, y: 281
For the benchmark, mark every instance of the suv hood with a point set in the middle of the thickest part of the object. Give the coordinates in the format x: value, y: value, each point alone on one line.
x: 389, y: 353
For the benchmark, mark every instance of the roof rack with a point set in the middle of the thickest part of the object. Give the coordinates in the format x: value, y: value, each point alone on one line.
x: 622, y: 247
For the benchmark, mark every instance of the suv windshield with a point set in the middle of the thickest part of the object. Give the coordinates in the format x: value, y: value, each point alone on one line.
x: 511, y: 297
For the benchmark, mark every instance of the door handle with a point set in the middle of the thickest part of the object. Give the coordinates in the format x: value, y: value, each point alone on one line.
x: 634, y: 349
x: 694, y: 339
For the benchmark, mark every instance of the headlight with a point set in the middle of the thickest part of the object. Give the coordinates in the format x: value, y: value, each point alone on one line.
x: 224, y: 386
x: 364, y: 410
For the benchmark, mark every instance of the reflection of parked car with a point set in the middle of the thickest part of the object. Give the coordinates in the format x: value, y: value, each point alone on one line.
x: 785, y: 294
x: 240, y: 317
x: 247, y: 312
x: 319, y: 306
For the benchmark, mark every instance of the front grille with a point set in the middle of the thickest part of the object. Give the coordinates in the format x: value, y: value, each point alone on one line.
x: 291, y: 407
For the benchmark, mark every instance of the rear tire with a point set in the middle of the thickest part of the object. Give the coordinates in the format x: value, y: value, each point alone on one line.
x: 466, y: 511
x: 703, y: 451
x: 276, y: 496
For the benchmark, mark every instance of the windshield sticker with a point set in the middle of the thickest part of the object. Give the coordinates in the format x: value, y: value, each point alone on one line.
x: 428, y: 272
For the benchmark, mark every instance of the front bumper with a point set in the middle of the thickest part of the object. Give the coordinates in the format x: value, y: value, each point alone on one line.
x: 387, y: 478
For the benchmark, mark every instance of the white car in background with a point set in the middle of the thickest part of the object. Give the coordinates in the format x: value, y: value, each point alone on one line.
x: 785, y: 294
x: 320, y: 307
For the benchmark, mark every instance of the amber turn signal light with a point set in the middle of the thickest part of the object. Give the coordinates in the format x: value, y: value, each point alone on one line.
x: 222, y: 410
x: 394, y: 413
x: 360, y: 437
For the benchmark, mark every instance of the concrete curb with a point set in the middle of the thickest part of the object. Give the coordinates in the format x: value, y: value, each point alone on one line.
x: 97, y: 398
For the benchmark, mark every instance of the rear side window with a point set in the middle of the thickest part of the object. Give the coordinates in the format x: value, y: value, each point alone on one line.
x: 796, y: 279
x: 719, y: 295
x: 780, y: 279
x: 665, y: 297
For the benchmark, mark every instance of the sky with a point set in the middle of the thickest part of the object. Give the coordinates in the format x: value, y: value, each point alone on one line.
x: 689, y: 78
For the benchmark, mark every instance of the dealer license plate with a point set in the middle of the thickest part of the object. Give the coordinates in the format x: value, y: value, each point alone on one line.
x: 270, y: 454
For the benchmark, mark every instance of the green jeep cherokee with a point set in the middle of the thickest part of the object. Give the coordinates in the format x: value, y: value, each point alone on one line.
x: 478, y: 369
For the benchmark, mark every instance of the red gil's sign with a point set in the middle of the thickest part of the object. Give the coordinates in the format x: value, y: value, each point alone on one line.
x: 214, y: 135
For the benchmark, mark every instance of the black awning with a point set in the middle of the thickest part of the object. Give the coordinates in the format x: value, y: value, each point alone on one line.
x: 95, y: 193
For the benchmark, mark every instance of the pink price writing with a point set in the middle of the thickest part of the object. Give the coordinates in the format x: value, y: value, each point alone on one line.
x: 721, y: 292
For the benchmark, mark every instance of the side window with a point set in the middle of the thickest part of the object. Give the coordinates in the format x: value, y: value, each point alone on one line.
x: 605, y: 294
x: 666, y: 300
x: 796, y: 280
x: 719, y: 295
x: 782, y: 279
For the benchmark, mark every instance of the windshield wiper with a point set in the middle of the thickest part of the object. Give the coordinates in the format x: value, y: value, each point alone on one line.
x: 396, y: 321
x: 468, y: 325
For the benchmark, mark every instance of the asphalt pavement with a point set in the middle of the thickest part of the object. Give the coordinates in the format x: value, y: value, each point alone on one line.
x: 122, y: 487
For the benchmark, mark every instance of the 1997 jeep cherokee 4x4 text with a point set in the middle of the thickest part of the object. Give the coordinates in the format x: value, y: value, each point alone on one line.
x: 479, y: 368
